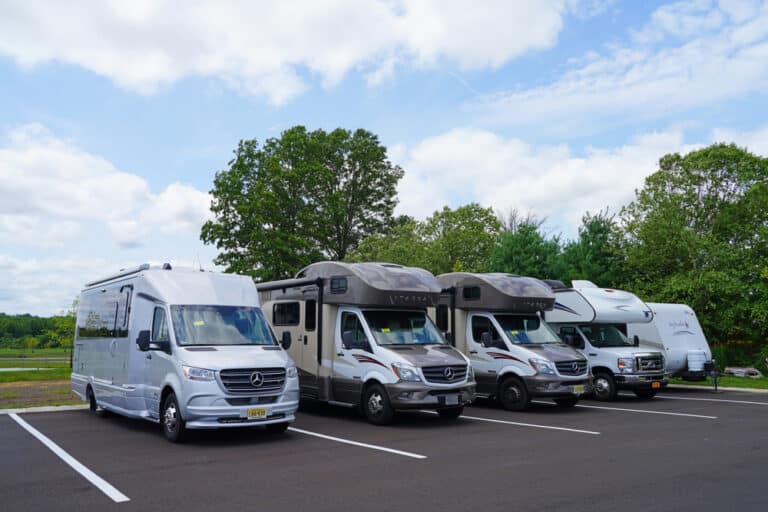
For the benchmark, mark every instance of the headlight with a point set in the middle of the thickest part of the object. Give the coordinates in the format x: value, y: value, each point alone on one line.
x: 542, y: 366
x: 405, y: 372
x: 626, y: 364
x: 193, y: 373
x: 470, y: 373
x: 291, y: 372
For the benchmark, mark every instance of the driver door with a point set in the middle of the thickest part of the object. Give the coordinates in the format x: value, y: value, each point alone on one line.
x: 352, y: 352
x: 484, y: 356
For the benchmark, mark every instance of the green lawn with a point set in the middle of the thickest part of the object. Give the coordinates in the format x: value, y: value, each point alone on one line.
x: 728, y: 382
x: 33, y: 364
x: 26, y: 376
x: 38, y: 352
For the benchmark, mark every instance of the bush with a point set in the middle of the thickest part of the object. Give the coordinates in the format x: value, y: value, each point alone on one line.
x: 735, y: 353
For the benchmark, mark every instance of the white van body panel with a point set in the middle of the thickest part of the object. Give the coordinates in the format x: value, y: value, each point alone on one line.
x: 599, y: 305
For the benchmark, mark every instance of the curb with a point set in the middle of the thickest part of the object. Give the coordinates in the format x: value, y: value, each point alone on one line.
x: 51, y: 408
x: 719, y: 388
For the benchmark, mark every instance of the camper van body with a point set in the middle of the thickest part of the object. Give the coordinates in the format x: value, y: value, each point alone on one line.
x: 676, y: 331
x: 360, y: 336
x: 150, y: 333
x: 496, y: 320
x: 587, y: 317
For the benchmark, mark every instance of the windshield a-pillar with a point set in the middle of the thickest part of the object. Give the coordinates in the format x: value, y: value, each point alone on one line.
x: 402, y: 327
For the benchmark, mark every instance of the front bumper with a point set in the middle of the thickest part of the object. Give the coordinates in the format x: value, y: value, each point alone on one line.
x: 416, y: 395
x: 635, y: 381
x: 546, y: 386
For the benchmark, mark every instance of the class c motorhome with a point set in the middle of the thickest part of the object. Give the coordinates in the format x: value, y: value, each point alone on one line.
x: 588, y: 318
x: 185, y: 348
x: 361, y: 337
x: 676, y: 331
x: 496, y: 320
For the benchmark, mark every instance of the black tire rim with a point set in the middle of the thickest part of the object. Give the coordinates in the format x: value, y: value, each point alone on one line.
x: 513, y: 394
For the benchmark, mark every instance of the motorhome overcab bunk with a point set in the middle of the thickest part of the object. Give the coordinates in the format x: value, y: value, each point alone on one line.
x: 586, y: 317
x: 360, y: 336
x: 496, y: 320
x: 185, y: 348
x: 676, y: 331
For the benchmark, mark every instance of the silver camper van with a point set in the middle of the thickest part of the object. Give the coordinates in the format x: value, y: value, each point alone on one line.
x: 185, y: 348
x: 361, y: 337
x: 497, y: 321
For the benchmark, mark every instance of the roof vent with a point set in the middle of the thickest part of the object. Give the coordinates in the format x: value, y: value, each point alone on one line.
x: 167, y: 266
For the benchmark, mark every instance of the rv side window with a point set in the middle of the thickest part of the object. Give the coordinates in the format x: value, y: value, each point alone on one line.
x: 338, y: 284
x: 471, y: 292
x: 160, y: 326
x: 286, y: 313
x: 441, y: 318
x: 123, y: 312
x: 97, y: 314
x: 310, y: 315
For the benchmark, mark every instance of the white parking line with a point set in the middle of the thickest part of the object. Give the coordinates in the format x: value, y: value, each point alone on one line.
x: 89, y: 475
x: 518, y: 424
x: 649, y: 412
x: 356, y: 443
x: 711, y: 400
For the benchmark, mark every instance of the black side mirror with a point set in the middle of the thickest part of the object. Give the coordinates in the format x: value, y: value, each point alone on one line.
x: 347, y: 340
x: 568, y: 339
x: 286, y: 341
x: 486, y: 339
x: 162, y: 346
x: 636, y: 340
x: 143, y: 341
x: 449, y: 337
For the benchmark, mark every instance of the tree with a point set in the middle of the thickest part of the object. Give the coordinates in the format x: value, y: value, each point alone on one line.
x: 402, y: 245
x: 299, y: 198
x: 594, y: 254
x: 525, y: 251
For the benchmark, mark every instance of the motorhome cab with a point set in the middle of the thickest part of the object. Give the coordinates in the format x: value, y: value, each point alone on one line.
x: 675, y: 331
x: 185, y: 348
x: 496, y: 320
x: 362, y: 337
x: 586, y: 317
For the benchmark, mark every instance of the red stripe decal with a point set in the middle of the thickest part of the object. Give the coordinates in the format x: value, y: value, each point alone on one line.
x: 366, y: 359
x: 496, y: 355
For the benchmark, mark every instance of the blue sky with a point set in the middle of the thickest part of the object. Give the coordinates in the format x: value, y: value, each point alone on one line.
x: 114, y: 117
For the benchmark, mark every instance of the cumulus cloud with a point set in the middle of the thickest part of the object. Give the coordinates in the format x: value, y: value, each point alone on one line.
x: 273, y: 49
x: 755, y: 141
x: 689, y: 55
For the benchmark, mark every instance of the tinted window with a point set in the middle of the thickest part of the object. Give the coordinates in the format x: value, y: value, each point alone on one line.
x: 160, y: 326
x: 310, y: 315
x: 286, y: 313
x: 350, y: 322
x: 471, y: 292
x: 481, y: 324
x: 338, y: 284
x: 97, y: 313
x: 441, y: 318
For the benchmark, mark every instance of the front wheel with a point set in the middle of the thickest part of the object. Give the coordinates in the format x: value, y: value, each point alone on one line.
x: 174, y: 426
x: 605, y: 387
x: 645, y: 394
x: 566, y: 402
x: 451, y: 413
x: 513, y: 394
x: 92, y: 405
x: 376, y: 406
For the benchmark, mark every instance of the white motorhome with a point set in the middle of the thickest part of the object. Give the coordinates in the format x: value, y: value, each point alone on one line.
x: 362, y: 338
x: 185, y: 348
x: 496, y: 320
x: 586, y: 317
x: 675, y: 330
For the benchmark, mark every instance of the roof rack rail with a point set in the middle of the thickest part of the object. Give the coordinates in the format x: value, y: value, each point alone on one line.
x: 123, y: 272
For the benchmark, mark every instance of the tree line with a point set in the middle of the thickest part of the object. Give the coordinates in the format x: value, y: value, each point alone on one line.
x: 31, y: 332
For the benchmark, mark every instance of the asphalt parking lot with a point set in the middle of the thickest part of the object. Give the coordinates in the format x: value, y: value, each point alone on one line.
x: 684, y: 450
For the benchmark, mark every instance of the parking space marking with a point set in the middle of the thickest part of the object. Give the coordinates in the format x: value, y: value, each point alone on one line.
x: 712, y: 400
x: 357, y: 443
x: 665, y: 413
x: 89, y: 475
x: 518, y: 424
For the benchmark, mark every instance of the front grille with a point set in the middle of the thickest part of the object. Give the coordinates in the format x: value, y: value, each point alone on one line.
x: 252, y: 400
x: 445, y: 374
x: 652, y: 363
x: 577, y: 367
x: 240, y: 380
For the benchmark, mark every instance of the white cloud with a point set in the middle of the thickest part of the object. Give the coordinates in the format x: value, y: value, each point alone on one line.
x: 755, y: 141
x: 710, y: 53
x: 273, y: 48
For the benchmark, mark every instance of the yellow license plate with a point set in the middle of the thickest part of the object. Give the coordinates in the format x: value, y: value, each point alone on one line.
x: 655, y: 384
x: 578, y: 389
x: 257, y: 413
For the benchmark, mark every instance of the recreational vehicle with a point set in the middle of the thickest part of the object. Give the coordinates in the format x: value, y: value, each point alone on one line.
x: 496, y: 320
x: 586, y: 317
x: 184, y: 348
x: 675, y: 331
x: 360, y: 336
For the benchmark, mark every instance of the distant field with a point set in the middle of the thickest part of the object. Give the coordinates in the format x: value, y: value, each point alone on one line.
x: 15, y: 363
x: 39, y: 352
x: 35, y: 375
x: 33, y: 394
x: 728, y: 382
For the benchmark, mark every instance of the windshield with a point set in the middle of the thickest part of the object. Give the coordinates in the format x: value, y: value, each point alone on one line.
x: 605, y: 336
x: 220, y: 325
x: 524, y: 330
x: 402, y: 328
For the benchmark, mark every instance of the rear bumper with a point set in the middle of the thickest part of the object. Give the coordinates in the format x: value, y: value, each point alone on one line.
x: 414, y: 395
x: 632, y: 381
x: 541, y: 386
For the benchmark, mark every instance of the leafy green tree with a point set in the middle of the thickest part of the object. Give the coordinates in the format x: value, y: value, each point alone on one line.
x: 299, y: 198
x: 402, y: 244
x: 594, y: 255
x: 526, y: 251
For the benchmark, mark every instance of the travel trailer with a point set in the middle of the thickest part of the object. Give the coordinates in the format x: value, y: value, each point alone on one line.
x: 496, y: 320
x: 361, y: 337
x: 185, y: 348
x: 675, y: 331
x: 586, y: 317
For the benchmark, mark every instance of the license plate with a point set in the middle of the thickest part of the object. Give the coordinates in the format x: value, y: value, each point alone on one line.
x: 257, y: 413
x: 578, y: 389
x: 655, y: 384
x: 451, y: 399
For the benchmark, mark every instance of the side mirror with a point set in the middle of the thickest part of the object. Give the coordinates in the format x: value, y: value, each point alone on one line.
x: 143, y: 341
x: 286, y: 340
x: 347, y: 340
x: 485, y: 339
x: 162, y: 346
x: 568, y: 339
x: 636, y: 340
x: 449, y: 337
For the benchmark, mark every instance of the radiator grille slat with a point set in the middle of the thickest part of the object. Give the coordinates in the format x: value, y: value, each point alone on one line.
x: 239, y: 380
x: 575, y: 367
x: 445, y: 374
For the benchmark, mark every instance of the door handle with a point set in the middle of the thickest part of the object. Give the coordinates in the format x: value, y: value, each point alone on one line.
x: 473, y: 351
x: 305, y: 339
x: 592, y: 354
x: 340, y: 354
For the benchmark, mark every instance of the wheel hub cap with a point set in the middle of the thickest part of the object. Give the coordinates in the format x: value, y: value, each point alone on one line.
x: 375, y: 404
x: 170, y: 417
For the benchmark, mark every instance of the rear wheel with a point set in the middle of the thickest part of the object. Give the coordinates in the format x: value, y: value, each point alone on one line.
x: 605, y: 387
x: 451, y: 413
x: 376, y: 406
x: 277, y: 428
x: 92, y: 405
x: 174, y: 426
x: 513, y: 394
x: 566, y: 402
x: 645, y: 394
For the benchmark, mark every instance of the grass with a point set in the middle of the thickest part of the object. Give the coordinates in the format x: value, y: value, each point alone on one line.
x: 16, y: 395
x: 728, y: 382
x: 42, y: 375
x: 34, y: 353
x: 33, y: 364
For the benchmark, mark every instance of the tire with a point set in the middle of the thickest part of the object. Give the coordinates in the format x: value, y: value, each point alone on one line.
x: 276, y: 428
x: 566, y: 403
x: 645, y: 394
x: 376, y: 406
x: 91, y: 398
x: 513, y: 395
x: 174, y: 426
x: 605, y: 387
x: 451, y: 413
